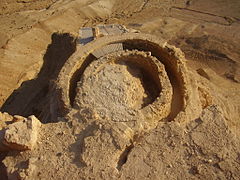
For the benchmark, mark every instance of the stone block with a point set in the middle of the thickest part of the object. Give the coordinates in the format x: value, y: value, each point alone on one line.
x: 22, y: 135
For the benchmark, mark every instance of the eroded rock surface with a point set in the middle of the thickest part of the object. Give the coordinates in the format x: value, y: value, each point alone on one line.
x: 169, y: 151
x: 22, y: 135
x: 201, y: 151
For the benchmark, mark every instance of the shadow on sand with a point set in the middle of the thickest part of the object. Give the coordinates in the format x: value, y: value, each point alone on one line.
x: 32, y: 97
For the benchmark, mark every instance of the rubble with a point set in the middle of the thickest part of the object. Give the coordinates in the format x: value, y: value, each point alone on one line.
x: 22, y: 135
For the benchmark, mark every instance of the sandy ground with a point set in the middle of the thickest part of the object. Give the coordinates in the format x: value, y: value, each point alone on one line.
x: 208, y: 32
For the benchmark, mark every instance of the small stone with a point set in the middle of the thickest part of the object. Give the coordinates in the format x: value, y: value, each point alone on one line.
x: 210, y: 161
x: 22, y: 135
x: 203, y: 73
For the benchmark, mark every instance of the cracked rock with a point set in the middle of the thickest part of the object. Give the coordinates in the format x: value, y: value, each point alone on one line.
x: 22, y: 135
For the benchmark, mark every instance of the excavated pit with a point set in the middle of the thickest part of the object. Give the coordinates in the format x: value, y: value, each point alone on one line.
x: 120, y: 84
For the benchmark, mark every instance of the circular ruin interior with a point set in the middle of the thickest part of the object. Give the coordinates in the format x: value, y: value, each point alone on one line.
x: 121, y: 85
x: 157, y: 69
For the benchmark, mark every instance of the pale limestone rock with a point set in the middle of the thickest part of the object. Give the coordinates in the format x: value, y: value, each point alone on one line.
x: 5, y: 118
x: 22, y: 135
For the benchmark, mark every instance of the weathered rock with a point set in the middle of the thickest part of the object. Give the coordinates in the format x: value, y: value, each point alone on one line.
x: 22, y: 135
x: 5, y: 118
x: 23, y: 171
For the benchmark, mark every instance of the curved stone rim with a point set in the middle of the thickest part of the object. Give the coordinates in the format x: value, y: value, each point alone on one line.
x: 172, y: 58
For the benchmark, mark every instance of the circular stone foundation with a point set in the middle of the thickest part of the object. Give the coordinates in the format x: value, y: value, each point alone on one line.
x: 148, y: 79
x: 125, y: 86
